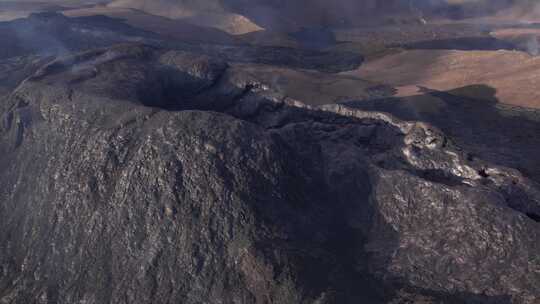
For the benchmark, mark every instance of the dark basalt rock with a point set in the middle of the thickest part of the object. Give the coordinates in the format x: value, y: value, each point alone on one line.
x: 315, y: 38
x: 140, y: 175
x: 330, y: 62
x: 475, y: 124
x: 53, y: 34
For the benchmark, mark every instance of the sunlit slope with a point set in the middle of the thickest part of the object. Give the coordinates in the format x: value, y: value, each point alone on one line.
x: 201, y: 13
x: 515, y: 75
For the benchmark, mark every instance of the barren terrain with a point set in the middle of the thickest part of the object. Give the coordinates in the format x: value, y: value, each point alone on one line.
x: 514, y: 75
x: 270, y: 152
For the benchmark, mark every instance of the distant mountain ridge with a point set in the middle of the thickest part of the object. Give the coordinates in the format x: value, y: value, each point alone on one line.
x: 247, y: 16
x: 273, y: 14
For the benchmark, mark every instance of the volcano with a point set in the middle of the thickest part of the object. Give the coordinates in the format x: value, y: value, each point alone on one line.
x: 269, y: 152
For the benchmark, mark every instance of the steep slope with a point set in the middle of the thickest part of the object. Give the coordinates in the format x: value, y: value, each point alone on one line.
x: 209, y: 14
x: 135, y: 174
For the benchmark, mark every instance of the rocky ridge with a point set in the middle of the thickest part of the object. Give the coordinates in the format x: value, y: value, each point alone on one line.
x: 139, y: 174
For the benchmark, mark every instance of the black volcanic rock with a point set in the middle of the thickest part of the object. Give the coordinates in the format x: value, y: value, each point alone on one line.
x: 475, y: 124
x: 53, y: 34
x: 139, y: 175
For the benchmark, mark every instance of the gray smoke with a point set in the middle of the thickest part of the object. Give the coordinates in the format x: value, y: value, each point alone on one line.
x: 533, y: 46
